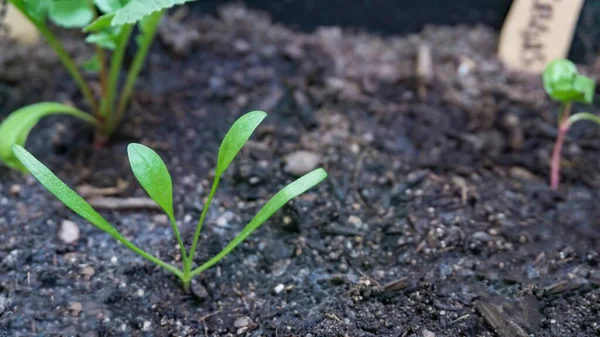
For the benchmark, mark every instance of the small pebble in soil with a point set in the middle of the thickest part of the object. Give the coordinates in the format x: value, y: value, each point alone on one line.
x: 199, y: 291
x: 279, y: 288
x: 146, y: 326
x: 4, y: 303
x: 427, y: 333
x: 68, y: 232
x: 242, y: 322
x: 301, y: 162
x: 14, y: 190
x: 75, y: 308
x: 87, y: 272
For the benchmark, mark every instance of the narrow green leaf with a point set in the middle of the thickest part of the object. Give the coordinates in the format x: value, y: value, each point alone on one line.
x: 103, y: 39
x: 289, y: 192
x: 101, y: 23
x: 66, y: 195
x: 92, y: 65
x: 236, y: 137
x: 16, y: 127
x: 153, y: 175
x: 76, y: 203
x: 71, y: 13
x: 136, y: 10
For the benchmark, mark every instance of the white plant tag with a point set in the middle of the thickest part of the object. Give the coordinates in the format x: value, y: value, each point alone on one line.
x: 19, y: 27
x: 537, y: 32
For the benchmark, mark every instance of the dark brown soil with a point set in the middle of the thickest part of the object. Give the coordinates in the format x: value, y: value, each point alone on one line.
x: 436, y: 219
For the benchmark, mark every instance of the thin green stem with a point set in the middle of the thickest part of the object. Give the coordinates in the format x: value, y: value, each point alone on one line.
x: 179, y: 240
x: 144, y: 42
x: 63, y: 55
x: 583, y: 116
x: 107, y: 104
x: 564, y: 112
x: 150, y: 257
x: 202, y: 218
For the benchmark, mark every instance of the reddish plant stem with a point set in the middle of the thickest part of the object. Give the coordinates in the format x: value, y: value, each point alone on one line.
x: 555, y: 161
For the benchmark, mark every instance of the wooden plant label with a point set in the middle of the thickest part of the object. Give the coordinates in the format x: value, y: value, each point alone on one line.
x: 19, y: 28
x: 538, y: 31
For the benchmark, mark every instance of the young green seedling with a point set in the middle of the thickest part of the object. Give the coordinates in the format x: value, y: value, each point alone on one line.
x: 564, y: 84
x: 152, y: 174
x: 110, y: 33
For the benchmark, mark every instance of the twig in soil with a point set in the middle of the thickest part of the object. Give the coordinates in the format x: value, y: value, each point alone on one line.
x: 499, y: 321
x: 112, y: 203
x: 93, y: 191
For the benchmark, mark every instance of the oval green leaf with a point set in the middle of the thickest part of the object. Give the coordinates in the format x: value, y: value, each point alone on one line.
x: 71, y: 13
x: 152, y: 173
x: 236, y: 137
x: 16, y: 127
x: 286, y: 194
x: 563, y: 83
x: 101, y: 23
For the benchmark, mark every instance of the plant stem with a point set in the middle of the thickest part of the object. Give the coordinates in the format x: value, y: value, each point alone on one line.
x: 107, y: 104
x: 63, y: 55
x: 150, y: 257
x: 555, y: 161
x: 102, y: 74
x: 202, y: 218
x: 144, y: 40
x: 563, y: 127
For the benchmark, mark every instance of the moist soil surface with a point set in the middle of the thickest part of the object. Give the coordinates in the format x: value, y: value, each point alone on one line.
x: 436, y: 218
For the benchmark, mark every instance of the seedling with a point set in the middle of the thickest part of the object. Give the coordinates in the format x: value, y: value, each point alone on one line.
x: 564, y: 84
x: 109, y: 32
x: 152, y: 174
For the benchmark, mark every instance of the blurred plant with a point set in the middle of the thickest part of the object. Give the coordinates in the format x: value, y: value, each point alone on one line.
x: 152, y: 174
x: 108, y: 32
x: 564, y: 84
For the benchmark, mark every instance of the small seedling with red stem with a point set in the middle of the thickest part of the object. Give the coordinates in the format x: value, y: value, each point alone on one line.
x: 564, y: 84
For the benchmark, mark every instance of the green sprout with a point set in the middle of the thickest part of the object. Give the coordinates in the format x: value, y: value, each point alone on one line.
x: 564, y: 84
x: 152, y: 174
x: 109, y: 25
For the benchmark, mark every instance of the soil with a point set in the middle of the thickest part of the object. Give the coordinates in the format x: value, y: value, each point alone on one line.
x: 436, y: 219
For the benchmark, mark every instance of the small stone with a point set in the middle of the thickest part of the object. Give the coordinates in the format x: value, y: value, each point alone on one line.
x: 198, y: 290
x: 87, y: 272
x: 301, y: 162
x: 354, y: 220
x: 114, y: 260
x: 279, y: 288
x: 427, y: 333
x: 146, y: 326
x: 3, y: 303
x: 68, y: 232
x: 241, y: 46
x: 75, y: 308
x: 242, y: 322
x: 14, y: 190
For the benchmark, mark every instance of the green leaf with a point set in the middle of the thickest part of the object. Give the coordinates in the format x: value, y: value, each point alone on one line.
x: 101, y: 23
x: 103, y: 39
x: 563, y: 83
x: 107, y: 6
x: 66, y: 195
x: 153, y: 175
x: 71, y: 13
x: 37, y: 9
x: 289, y: 192
x: 136, y: 10
x: 16, y: 127
x: 92, y: 65
x: 76, y: 203
x: 236, y: 137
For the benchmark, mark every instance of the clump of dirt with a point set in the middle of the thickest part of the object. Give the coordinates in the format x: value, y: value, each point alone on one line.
x: 436, y: 219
